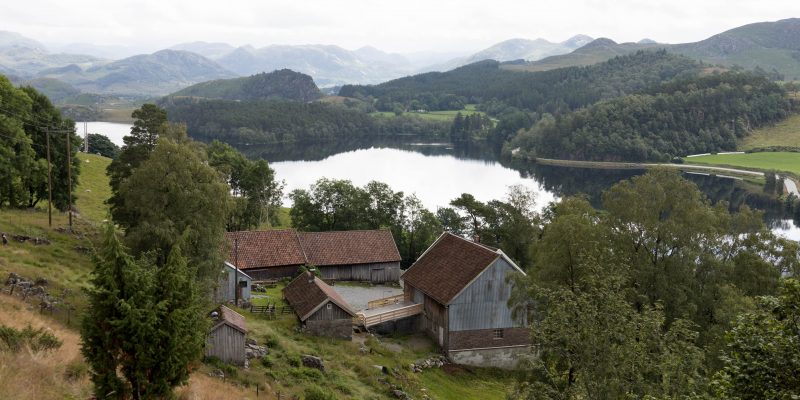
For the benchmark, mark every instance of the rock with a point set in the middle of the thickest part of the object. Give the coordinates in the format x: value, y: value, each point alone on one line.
x: 399, y: 394
x: 13, y: 279
x: 312, y: 362
x: 217, y: 373
x: 363, y: 350
x: 41, y: 282
x: 255, y: 351
x: 250, y: 341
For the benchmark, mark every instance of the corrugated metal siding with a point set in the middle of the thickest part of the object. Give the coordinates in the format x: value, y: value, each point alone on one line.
x: 227, y: 344
x: 376, y: 272
x: 484, y: 304
x: 324, y: 314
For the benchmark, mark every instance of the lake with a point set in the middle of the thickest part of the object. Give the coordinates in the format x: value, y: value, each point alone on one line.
x: 439, y: 172
x: 113, y: 131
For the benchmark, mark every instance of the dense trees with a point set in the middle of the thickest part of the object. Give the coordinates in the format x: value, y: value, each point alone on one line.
x: 143, y: 324
x: 552, y: 91
x: 685, y: 116
x: 26, y: 119
x: 634, y: 300
x: 102, y: 145
x: 269, y: 122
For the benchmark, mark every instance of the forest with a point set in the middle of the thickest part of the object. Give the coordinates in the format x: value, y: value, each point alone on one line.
x: 271, y: 122
x: 685, y: 116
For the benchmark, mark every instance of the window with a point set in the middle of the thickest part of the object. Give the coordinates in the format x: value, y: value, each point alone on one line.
x: 497, y: 334
x: 330, y: 307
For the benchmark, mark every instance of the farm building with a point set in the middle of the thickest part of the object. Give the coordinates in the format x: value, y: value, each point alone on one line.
x: 226, y: 338
x: 227, y: 287
x: 366, y: 255
x: 320, y: 309
x: 464, y: 292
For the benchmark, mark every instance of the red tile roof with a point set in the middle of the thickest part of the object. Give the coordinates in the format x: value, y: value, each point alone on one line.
x: 448, y: 266
x: 262, y: 249
x: 259, y: 249
x: 349, y: 247
x: 307, y: 293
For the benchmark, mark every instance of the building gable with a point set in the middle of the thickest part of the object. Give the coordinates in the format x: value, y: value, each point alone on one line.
x: 483, y: 304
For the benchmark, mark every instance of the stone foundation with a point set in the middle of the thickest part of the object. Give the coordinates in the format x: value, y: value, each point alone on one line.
x: 503, y: 357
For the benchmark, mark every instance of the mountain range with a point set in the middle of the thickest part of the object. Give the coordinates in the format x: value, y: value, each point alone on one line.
x: 768, y: 45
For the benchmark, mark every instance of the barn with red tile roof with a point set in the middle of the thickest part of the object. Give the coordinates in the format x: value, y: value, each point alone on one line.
x: 463, y: 288
x: 362, y: 255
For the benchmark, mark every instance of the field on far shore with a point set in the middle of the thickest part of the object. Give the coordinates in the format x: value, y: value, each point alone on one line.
x: 779, y: 161
x: 446, y: 115
x: 785, y: 133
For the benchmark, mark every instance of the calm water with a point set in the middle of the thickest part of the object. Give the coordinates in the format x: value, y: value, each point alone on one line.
x: 113, y: 131
x: 437, y: 173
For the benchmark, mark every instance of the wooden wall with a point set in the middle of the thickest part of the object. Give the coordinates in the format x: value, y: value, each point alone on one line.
x: 325, y: 314
x: 375, y: 272
x: 226, y: 286
x: 227, y: 344
x: 484, y: 304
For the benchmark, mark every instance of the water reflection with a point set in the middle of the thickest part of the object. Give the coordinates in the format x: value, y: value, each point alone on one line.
x: 439, y: 172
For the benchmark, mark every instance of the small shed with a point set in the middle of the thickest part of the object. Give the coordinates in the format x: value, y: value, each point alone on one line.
x: 226, y: 339
x: 227, y: 287
x: 321, y: 310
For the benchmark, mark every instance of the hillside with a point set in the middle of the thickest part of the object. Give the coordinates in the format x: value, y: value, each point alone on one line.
x: 768, y: 45
x: 548, y: 91
x: 277, y: 85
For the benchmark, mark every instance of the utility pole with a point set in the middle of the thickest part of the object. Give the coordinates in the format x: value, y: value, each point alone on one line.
x: 85, y: 137
x: 49, y: 183
x: 236, y: 273
x: 69, y: 180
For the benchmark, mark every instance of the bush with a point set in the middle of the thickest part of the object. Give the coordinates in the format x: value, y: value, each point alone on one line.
x: 36, y: 340
x: 317, y: 393
x: 266, y: 362
x: 76, y: 370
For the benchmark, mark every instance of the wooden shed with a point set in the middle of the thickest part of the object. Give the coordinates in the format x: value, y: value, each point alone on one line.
x: 226, y: 286
x: 464, y: 290
x: 319, y: 308
x: 226, y: 339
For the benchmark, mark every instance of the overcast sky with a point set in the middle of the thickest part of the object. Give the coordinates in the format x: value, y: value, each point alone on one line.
x: 399, y: 26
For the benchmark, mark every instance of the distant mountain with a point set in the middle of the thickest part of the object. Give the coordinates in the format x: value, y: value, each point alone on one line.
x: 13, y: 39
x: 596, y: 51
x: 54, y: 89
x: 519, y: 49
x: 106, y: 52
x: 277, y: 85
x: 768, y: 45
x: 213, y: 51
x: 329, y: 65
x: 154, y: 74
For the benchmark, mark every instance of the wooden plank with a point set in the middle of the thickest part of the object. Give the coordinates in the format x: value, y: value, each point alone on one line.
x: 390, y: 315
x: 385, y: 301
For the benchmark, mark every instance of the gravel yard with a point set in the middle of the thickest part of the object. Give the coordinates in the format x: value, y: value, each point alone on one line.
x: 358, y: 296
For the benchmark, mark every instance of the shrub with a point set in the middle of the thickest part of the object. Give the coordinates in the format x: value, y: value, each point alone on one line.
x: 36, y: 340
x: 76, y: 370
x: 317, y: 393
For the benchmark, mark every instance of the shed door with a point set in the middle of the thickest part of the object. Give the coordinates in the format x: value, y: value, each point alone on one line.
x: 378, y: 275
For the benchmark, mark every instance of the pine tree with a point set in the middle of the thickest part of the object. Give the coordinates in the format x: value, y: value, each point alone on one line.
x: 143, y: 325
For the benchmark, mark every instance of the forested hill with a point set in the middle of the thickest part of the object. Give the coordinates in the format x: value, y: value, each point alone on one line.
x: 269, y: 122
x: 551, y: 91
x: 282, y: 84
x: 692, y: 115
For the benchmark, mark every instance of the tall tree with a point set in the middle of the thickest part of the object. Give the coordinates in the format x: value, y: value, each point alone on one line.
x: 175, y: 192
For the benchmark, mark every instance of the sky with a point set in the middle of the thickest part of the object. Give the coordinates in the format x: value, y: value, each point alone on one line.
x: 398, y: 26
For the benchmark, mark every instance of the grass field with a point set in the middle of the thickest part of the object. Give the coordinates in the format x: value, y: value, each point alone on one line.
x: 93, y: 189
x: 780, y: 161
x: 446, y: 115
x: 785, y: 133
x: 119, y: 115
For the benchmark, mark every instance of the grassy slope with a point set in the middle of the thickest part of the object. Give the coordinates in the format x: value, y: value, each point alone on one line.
x: 351, y: 374
x: 781, y: 161
x: 446, y: 115
x: 784, y: 133
x: 93, y: 189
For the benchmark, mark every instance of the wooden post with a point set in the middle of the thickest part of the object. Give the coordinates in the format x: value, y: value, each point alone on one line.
x: 69, y: 180
x: 49, y: 183
x: 236, y: 271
